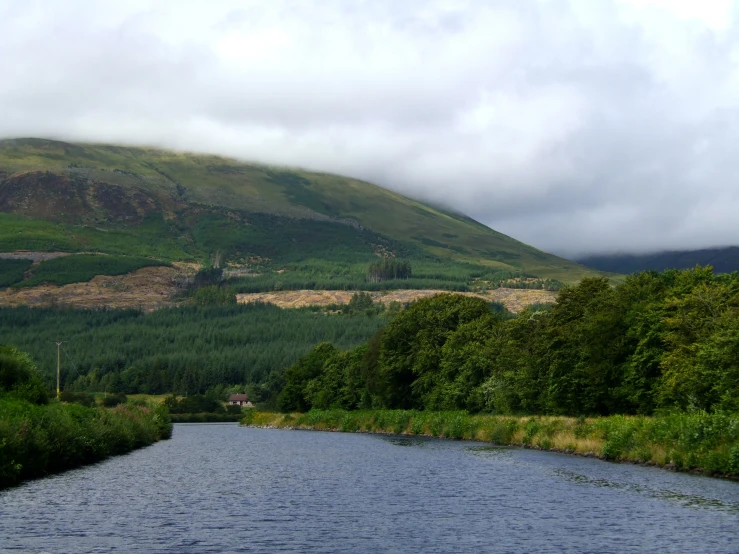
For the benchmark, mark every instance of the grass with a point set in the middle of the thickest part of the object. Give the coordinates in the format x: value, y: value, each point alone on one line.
x: 83, y: 267
x: 349, y: 272
x: 18, y: 232
x: 703, y: 442
x: 131, y: 183
x: 138, y: 398
x: 292, y: 254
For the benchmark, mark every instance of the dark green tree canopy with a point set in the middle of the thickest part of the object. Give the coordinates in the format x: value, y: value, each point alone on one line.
x: 656, y: 341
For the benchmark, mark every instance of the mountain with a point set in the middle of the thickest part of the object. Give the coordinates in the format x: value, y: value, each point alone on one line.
x: 174, y: 206
x: 723, y: 260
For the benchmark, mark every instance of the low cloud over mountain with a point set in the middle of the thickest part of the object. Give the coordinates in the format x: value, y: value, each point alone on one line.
x: 576, y: 126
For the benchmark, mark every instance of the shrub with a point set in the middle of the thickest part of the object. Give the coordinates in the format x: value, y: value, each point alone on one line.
x: 18, y: 376
x: 248, y: 418
x: 531, y: 428
x: 36, y: 440
x: 417, y: 426
x: 502, y: 431
x: 195, y: 404
x: 349, y: 423
x: 457, y: 425
x: 81, y: 398
x: 112, y: 400
x: 618, y: 439
x: 734, y: 459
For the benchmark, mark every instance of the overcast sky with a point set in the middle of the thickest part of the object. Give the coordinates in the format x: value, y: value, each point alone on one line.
x: 576, y: 126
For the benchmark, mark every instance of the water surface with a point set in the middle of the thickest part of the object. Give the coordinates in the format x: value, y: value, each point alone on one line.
x: 221, y: 488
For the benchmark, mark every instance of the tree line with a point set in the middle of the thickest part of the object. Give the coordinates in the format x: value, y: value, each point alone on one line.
x: 657, y: 341
x: 388, y: 269
x: 185, y: 350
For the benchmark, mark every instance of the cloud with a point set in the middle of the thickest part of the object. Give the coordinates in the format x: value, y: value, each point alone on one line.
x: 576, y: 126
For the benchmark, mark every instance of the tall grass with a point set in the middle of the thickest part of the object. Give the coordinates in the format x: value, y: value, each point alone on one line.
x: 37, y: 440
x: 687, y: 441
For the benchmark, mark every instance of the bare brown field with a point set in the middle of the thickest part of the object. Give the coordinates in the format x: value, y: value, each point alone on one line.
x: 514, y: 300
x: 148, y: 289
x: 151, y: 288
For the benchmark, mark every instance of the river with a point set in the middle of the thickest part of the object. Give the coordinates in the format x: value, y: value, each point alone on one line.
x: 222, y: 488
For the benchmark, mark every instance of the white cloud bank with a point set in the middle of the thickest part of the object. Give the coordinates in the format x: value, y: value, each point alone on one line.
x: 577, y: 126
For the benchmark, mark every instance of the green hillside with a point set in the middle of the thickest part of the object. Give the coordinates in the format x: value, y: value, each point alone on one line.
x: 180, y: 206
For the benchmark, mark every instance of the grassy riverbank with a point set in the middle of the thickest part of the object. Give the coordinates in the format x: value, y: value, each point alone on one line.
x: 37, y: 440
x: 206, y: 417
x: 699, y: 441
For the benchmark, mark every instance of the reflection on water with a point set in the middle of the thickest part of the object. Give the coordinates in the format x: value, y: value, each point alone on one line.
x: 229, y: 489
x: 687, y: 500
x: 420, y: 442
x: 490, y: 449
x: 416, y: 442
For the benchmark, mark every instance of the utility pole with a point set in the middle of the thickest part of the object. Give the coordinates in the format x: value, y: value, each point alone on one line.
x: 58, y: 368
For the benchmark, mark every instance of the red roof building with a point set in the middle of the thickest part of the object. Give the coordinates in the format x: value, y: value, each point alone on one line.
x: 239, y: 400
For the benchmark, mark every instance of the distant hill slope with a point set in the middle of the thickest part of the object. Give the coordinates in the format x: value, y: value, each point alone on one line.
x: 57, y: 196
x: 723, y: 260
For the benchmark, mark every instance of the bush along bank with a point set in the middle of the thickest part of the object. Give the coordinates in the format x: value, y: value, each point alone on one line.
x: 38, y: 440
x: 699, y: 442
x: 39, y: 437
x: 207, y: 417
x: 200, y: 408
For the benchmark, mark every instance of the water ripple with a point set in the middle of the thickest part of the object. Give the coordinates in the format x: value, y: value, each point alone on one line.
x: 229, y: 489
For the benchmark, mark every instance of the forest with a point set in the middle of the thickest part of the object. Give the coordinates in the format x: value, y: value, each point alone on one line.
x: 184, y: 350
x: 387, y: 274
x: 12, y: 271
x: 388, y: 269
x: 655, y: 342
x: 71, y: 269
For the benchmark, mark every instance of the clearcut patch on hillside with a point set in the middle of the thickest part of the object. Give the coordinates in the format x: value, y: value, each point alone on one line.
x: 147, y: 289
x: 514, y: 300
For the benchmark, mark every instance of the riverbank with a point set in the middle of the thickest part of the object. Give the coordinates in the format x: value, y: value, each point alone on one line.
x: 206, y: 417
x: 700, y: 442
x: 38, y: 440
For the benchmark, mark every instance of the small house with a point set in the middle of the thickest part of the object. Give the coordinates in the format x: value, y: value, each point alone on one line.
x: 239, y: 400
